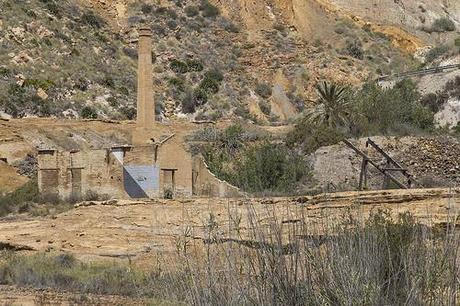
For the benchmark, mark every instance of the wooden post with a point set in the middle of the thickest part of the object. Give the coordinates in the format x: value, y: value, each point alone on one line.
x: 386, y: 179
x: 363, y: 175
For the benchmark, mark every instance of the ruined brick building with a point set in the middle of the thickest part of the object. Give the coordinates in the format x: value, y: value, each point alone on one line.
x: 152, y: 166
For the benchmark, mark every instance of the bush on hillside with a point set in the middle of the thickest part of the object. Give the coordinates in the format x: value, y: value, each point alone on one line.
x: 178, y: 66
x: 191, y: 11
x: 269, y: 167
x: 264, y: 90
x: 354, y: 48
x: 436, y: 52
x: 443, y: 24
x: 381, y: 111
x: 93, y: 20
x: 259, y: 167
x: 434, y: 101
x: 146, y: 8
x: 22, y: 196
x: 88, y: 113
x: 208, y: 10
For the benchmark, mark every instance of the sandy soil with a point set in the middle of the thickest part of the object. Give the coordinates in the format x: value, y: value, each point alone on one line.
x: 142, y: 230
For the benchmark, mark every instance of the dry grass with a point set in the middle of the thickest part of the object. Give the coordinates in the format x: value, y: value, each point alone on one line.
x: 378, y: 261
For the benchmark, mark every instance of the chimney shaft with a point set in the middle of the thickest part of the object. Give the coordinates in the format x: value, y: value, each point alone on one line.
x: 145, y: 102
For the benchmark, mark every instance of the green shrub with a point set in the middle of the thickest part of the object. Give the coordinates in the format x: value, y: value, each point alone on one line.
x: 265, y: 107
x: 88, y: 113
x: 452, y: 88
x: 178, y: 66
x: 309, y: 137
x: 21, y: 101
x: 354, y: 48
x: 434, y: 101
x: 24, y: 195
x: 436, y: 52
x: 146, y: 8
x: 54, y: 9
x: 214, y: 74
x: 380, y: 111
x: 177, y: 83
x: 253, y: 167
x: 208, y: 10
x: 269, y: 167
x: 5, y: 72
x: 200, y: 96
x: 38, y: 83
x: 457, y: 42
x: 191, y: 11
x: 443, y: 24
x: 209, y: 86
x: 132, y: 53
x: 93, y: 20
x: 264, y: 90
x: 194, y: 65
x: 188, y: 103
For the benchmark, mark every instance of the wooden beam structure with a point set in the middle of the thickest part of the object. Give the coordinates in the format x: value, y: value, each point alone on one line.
x: 390, y: 166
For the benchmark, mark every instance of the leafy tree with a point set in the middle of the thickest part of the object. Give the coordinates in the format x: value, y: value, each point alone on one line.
x: 334, y: 107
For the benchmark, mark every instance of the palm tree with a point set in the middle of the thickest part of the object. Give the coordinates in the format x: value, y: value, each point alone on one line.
x: 334, y: 107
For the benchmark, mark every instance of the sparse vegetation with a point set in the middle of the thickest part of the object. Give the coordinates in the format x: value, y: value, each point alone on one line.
x: 264, y: 90
x: 370, y: 110
x: 354, y: 48
x: 208, y: 10
x: 93, y: 20
x: 436, y: 52
x: 382, y: 260
x: 253, y: 164
x: 443, y: 24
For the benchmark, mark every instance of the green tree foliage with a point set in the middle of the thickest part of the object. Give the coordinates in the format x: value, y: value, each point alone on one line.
x: 269, y: 167
x: 383, y: 111
x: 369, y: 110
x: 334, y: 106
x: 254, y: 167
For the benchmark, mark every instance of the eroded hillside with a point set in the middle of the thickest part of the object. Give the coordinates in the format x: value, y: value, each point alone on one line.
x: 253, y: 59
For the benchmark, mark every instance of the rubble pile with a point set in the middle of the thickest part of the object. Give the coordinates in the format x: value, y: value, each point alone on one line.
x: 437, y: 157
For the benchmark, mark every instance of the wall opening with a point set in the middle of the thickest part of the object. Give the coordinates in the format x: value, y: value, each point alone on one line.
x: 169, y: 182
x: 50, y: 181
x: 76, y: 182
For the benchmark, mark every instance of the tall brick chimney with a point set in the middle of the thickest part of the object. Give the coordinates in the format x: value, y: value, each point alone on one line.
x: 145, y: 101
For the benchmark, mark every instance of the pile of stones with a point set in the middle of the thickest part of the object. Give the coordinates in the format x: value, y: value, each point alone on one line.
x: 438, y: 157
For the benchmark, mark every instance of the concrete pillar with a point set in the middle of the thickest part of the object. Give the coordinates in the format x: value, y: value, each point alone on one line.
x: 145, y: 102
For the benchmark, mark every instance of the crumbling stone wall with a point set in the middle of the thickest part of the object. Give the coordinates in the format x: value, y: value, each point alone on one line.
x: 78, y: 173
x: 206, y: 184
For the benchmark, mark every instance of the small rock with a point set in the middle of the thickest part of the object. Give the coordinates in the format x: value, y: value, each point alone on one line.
x: 42, y: 94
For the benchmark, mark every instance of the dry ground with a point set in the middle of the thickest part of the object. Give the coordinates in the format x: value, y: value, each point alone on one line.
x: 138, y: 231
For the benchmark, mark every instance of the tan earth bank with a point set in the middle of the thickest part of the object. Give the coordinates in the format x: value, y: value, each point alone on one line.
x: 31, y: 297
x: 139, y: 231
